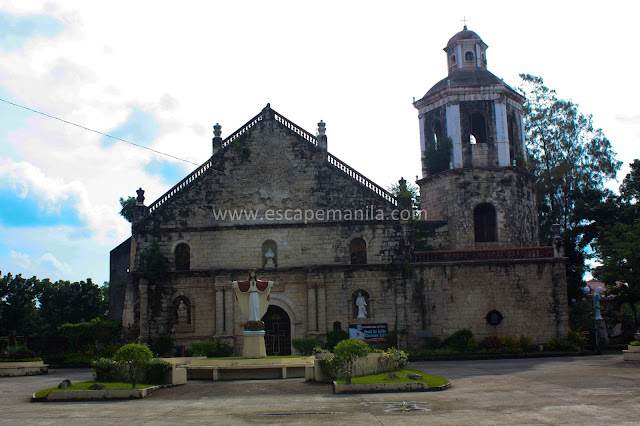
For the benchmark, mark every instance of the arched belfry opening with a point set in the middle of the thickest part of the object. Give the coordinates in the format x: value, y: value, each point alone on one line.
x: 478, y: 129
x: 485, y: 223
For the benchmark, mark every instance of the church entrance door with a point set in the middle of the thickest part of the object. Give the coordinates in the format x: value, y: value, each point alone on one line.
x: 278, y: 331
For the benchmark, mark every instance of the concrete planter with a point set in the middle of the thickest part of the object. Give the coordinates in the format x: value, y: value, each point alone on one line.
x: 631, y: 354
x: 88, y: 395
x: 30, y: 368
x: 387, y: 387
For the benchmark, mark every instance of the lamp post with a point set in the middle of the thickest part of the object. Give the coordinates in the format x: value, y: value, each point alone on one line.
x: 597, y: 316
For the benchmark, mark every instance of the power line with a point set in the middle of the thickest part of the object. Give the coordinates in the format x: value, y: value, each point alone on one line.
x: 100, y: 133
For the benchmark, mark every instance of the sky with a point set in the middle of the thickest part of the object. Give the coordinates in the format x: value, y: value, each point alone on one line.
x: 161, y: 74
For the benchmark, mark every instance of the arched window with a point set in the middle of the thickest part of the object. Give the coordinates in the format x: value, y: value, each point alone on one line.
x: 358, y: 251
x: 269, y: 254
x: 468, y: 56
x: 183, y: 257
x: 453, y: 59
x: 478, y: 129
x: 437, y: 131
x: 485, y: 223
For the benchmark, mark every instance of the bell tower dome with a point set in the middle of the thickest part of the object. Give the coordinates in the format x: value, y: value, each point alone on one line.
x: 466, y: 50
x: 473, y: 153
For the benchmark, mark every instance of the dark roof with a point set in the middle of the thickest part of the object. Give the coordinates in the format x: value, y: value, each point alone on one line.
x: 464, y: 35
x: 473, y: 77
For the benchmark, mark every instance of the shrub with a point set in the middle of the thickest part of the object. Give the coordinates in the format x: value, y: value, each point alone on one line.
x: 163, y: 345
x: 336, y: 336
x: 211, y: 349
x: 91, y: 333
x: 305, y: 345
x: 136, y: 357
x: 510, y: 344
x: 526, y: 343
x: 490, y: 342
x: 634, y: 343
x: 108, y: 370
x: 472, y: 345
x: 4, y: 344
x: 156, y: 370
x: 554, y: 344
x: 347, y: 351
x: 18, y: 352
x: 396, y: 358
x: 433, y: 342
x: 458, y: 340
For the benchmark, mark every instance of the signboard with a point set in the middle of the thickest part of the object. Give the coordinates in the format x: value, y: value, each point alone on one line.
x: 368, y: 332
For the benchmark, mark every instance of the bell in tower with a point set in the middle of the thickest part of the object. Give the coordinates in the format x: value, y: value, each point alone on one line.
x: 473, y: 153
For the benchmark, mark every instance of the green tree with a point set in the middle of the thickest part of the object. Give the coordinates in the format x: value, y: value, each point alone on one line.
x: 128, y: 206
x: 568, y: 155
x: 437, y: 156
x: 64, y: 302
x: 347, y: 352
x: 137, y: 358
x: 18, y: 311
x: 153, y: 262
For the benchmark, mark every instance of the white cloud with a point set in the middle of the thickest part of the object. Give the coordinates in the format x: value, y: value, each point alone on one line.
x: 21, y: 259
x: 48, y: 260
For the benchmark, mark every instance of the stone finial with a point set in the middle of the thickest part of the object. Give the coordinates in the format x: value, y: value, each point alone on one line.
x: 556, y: 241
x: 322, y: 137
x: 267, y: 113
x: 217, y: 139
x: 140, y: 198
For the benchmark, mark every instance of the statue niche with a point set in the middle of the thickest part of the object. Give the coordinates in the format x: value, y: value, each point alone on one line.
x: 360, y: 305
x: 182, y: 315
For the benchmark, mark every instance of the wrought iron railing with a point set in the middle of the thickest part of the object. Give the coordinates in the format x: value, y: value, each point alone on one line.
x: 483, y: 254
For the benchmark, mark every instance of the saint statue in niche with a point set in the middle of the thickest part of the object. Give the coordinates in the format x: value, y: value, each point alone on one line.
x: 361, y: 303
x: 183, y: 313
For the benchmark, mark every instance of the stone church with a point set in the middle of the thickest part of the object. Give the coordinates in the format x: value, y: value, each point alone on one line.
x: 343, y: 251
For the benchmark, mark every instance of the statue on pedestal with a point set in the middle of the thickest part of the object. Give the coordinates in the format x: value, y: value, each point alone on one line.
x: 253, y: 297
x: 361, y: 303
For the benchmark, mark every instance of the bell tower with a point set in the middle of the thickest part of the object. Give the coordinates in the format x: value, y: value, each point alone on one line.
x: 473, y: 153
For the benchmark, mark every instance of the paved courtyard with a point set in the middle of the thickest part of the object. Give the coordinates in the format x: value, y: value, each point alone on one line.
x: 579, y: 390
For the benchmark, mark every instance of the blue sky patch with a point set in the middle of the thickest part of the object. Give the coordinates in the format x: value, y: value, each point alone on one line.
x: 171, y: 172
x: 32, y: 212
x: 140, y: 128
x: 18, y: 29
x: 13, y: 118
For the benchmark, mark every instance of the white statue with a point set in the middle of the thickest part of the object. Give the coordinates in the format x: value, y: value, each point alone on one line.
x: 253, y: 297
x: 183, y: 313
x: 361, y: 303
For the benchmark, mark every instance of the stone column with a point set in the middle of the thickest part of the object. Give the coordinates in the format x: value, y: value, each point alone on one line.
x: 219, y: 311
x: 228, y: 310
x: 321, y: 303
x: 144, y: 310
x: 312, y: 314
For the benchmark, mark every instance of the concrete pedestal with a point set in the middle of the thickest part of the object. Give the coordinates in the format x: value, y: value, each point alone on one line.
x: 254, y: 344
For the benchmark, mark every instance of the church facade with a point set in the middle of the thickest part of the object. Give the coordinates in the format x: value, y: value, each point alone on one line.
x: 343, y: 252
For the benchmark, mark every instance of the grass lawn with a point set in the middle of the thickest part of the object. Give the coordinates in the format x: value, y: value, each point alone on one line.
x: 267, y: 357
x: 402, y: 374
x: 86, y: 385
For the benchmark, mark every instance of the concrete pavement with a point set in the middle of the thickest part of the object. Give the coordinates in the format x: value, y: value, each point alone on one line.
x: 580, y: 390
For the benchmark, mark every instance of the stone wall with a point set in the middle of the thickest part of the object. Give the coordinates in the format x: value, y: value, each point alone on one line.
x: 452, y: 196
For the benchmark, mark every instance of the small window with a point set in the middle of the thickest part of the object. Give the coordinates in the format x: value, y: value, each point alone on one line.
x: 468, y: 56
x: 183, y: 257
x: 485, y: 223
x: 358, y: 251
x: 453, y: 59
